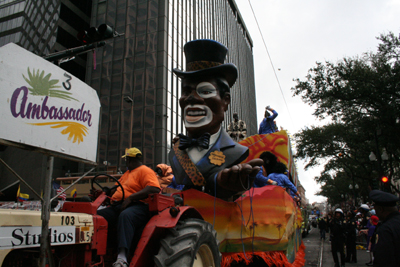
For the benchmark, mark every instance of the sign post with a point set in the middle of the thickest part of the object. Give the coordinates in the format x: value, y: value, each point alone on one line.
x: 45, y: 250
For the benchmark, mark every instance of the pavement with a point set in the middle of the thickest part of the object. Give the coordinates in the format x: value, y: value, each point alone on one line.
x: 318, y: 253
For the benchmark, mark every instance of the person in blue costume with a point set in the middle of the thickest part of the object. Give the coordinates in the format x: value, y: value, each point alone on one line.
x: 267, y: 125
x: 261, y: 179
x: 208, y: 159
x: 268, y: 166
x: 278, y: 177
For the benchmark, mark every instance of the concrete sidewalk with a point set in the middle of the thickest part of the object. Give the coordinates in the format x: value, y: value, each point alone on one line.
x: 327, y: 258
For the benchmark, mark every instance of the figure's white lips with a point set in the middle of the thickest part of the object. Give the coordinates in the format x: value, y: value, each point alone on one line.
x: 195, y: 113
x: 197, y: 116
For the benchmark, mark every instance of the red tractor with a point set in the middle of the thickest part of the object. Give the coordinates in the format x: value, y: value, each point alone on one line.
x: 176, y: 235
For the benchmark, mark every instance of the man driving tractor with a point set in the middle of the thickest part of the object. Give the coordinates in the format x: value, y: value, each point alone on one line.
x: 131, y: 213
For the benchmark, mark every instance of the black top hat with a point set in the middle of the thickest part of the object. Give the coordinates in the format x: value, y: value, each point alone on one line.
x: 206, y: 57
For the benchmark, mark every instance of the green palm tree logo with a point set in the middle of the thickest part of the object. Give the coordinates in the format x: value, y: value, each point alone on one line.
x: 42, y: 85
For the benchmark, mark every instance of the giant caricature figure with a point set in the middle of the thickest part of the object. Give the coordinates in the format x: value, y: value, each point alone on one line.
x: 208, y: 159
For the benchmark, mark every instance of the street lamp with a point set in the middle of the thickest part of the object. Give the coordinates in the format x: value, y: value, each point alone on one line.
x: 354, y: 188
x: 372, y: 156
x: 355, y: 194
x: 384, y: 155
x: 344, y: 198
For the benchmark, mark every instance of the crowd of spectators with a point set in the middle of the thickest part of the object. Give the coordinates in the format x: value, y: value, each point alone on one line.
x: 374, y: 228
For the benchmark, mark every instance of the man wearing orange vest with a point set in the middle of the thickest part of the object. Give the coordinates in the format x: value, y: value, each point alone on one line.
x: 132, y: 212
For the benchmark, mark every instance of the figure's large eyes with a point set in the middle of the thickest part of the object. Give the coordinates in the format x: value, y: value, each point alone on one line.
x: 206, y: 90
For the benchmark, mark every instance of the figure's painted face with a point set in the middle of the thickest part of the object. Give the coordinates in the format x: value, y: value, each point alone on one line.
x: 202, y: 107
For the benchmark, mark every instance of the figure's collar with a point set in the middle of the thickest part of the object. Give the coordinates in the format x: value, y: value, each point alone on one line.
x: 214, y: 138
x: 225, y: 140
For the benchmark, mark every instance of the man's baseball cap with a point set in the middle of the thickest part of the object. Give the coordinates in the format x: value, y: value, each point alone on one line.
x: 374, y: 220
x: 132, y: 152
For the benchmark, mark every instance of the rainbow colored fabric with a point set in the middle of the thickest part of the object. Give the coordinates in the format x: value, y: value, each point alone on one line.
x: 262, y: 220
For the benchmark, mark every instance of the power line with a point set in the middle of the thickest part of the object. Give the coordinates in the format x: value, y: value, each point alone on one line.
x: 270, y: 60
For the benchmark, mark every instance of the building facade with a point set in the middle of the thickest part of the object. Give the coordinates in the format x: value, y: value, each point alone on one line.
x: 302, y: 192
x: 45, y: 27
x: 132, y: 74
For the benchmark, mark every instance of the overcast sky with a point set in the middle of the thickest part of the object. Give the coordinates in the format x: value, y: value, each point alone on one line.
x: 300, y: 33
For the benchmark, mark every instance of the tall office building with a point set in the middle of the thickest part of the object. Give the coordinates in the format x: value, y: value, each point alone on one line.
x: 133, y: 73
x: 139, y: 92
x: 45, y: 27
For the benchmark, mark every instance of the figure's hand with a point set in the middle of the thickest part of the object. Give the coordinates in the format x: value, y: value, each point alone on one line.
x: 176, y: 139
x: 239, y: 177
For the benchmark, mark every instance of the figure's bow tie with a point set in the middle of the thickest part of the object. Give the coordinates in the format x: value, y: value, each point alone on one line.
x: 186, y: 142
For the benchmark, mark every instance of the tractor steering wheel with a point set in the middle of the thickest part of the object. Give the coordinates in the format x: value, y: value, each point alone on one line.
x: 105, y: 188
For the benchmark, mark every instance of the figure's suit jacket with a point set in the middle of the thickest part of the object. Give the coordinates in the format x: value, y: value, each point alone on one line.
x: 234, y: 154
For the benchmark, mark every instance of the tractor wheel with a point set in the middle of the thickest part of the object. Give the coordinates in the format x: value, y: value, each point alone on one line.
x: 191, y: 243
